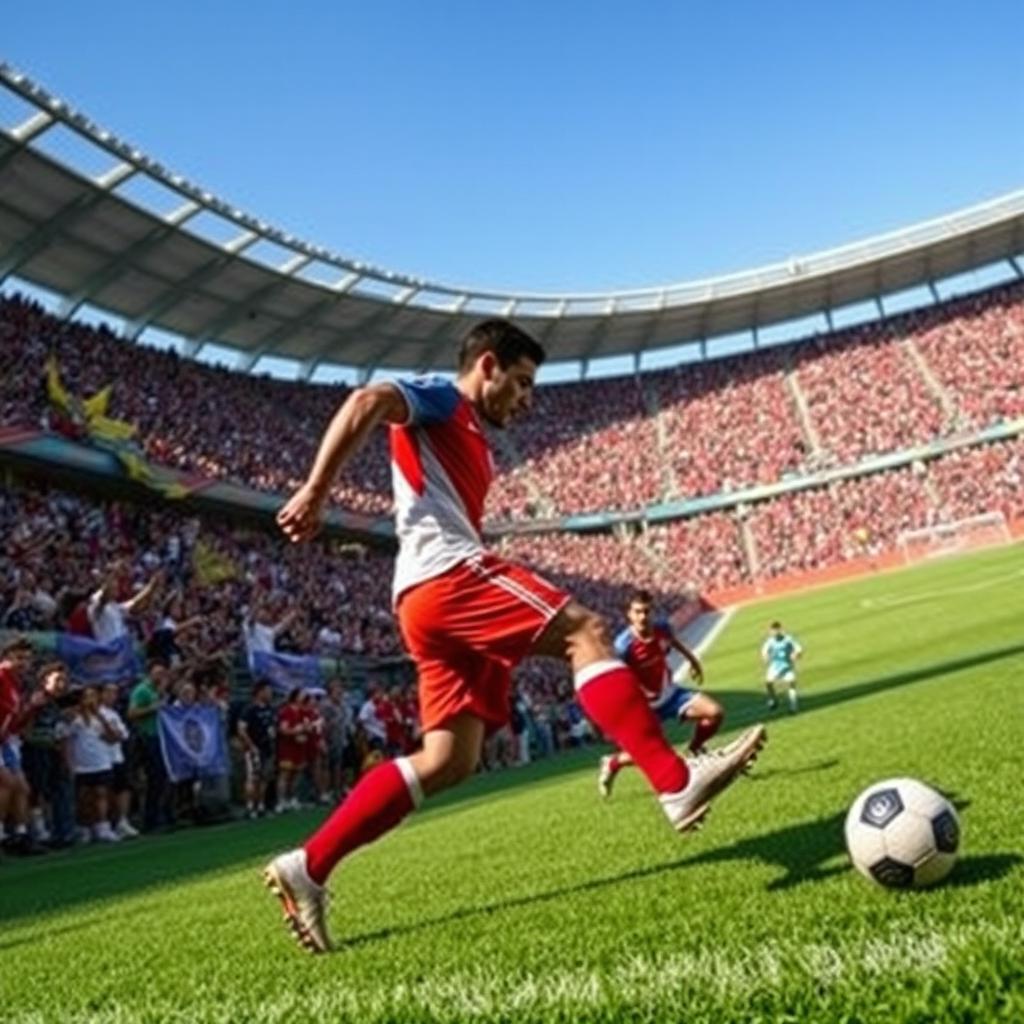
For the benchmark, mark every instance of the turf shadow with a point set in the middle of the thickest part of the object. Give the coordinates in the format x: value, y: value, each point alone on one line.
x: 800, y: 849
x: 985, y: 867
x: 739, y: 701
x: 764, y: 774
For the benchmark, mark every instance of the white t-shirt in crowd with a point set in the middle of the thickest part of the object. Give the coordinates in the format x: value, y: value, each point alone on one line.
x: 88, y: 751
x: 259, y: 637
x: 109, y: 621
x: 328, y: 641
x: 116, y: 724
x: 371, y: 722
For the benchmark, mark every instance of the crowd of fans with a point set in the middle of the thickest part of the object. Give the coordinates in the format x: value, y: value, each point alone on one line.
x: 597, y: 445
x: 976, y: 350
x: 206, y: 420
x: 729, y: 423
x: 61, y: 547
x: 865, y: 395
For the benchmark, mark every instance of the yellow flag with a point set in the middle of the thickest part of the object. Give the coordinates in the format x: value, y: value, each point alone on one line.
x: 211, y: 566
x: 54, y: 388
x: 97, y: 405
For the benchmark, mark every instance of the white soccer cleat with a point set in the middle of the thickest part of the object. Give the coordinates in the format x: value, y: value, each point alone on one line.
x: 606, y: 777
x: 709, y: 775
x: 125, y: 830
x: 304, y: 902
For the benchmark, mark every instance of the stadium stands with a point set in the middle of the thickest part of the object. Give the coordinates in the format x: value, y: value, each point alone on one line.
x: 696, y: 430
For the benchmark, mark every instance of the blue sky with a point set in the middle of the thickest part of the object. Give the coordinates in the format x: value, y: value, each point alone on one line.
x: 552, y: 145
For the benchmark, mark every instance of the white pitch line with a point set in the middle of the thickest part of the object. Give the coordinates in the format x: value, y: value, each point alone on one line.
x: 713, y: 633
x: 896, y: 601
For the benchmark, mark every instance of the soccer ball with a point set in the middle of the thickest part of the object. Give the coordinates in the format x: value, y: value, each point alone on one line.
x: 902, y: 834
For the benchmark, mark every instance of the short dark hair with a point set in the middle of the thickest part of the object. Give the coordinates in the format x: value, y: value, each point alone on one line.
x: 776, y: 624
x: 260, y: 684
x: 18, y: 643
x: 508, y: 343
x: 640, y: 597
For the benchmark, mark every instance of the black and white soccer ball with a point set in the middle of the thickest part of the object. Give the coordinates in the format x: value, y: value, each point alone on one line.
x: 902, y: 834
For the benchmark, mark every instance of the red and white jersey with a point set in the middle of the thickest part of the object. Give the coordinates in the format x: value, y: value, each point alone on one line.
x: 648, y: 658
x: 441, y: 469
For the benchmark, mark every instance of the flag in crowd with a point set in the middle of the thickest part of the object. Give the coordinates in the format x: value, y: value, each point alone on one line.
x: 285, y: 672
x: 90, y: 662
x: 192, y: 742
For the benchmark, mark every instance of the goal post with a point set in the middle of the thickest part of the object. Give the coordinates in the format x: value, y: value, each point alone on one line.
x: 952, y: 538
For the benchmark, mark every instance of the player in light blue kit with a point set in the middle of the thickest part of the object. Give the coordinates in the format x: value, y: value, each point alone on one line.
x: 779, y: 653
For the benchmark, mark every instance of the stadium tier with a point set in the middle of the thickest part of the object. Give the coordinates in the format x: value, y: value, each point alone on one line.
x: 602, y: 445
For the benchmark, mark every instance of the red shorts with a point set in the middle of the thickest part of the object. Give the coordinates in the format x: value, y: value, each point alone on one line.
x: 292, y: 755
x: 467, y: 629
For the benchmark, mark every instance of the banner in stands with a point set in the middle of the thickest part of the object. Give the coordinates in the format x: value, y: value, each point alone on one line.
x: 192, y: 742
x: 286, y: 671
x: 89, y: 661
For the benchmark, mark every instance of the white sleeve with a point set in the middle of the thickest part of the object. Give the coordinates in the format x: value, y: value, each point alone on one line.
x: 95, y: 605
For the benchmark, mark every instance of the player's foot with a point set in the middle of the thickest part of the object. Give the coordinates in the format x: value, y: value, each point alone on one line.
x: 727, y: 749
x: 125, y: 829
x: 709, y: 775
x: 771, y: 703
x: 606, y: 777
x: 304, y: 902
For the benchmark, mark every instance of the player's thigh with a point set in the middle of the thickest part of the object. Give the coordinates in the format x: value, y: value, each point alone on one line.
x: 461, y: 682
x: 700, y: 705
x: 576, y: 634
x: 486, y: 605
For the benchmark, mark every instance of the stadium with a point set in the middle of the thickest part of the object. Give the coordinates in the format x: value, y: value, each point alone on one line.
x: 835, y: 441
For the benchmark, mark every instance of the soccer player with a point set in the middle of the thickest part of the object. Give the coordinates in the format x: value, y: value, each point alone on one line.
x: 644, y: 645
x: 467, y: 616
x: 779, y: 653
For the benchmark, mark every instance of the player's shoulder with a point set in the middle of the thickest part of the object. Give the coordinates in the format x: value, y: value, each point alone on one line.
x: 430, y: 397
x: 623, y: 640
x: 662, y: 626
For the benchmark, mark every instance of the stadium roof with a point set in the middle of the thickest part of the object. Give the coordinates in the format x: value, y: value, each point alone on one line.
x: 212, y: 274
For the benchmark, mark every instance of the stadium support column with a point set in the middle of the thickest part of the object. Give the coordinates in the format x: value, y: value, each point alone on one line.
x: 934, y: 292
x: 1015, y: 266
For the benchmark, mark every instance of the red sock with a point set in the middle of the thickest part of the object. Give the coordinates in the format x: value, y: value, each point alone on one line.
x: 610, y: 694
x: 703, y: 730
x: 377, y: 803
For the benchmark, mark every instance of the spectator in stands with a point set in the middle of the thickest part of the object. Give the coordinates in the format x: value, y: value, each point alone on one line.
x: 120, y: 795
x: 146, y: 699
x: 17, y: 712
x: 90, y: 741
x: 109, y: 616
x: 257, y: 730
x: 370, y: 721
x: 338, y: 722
x: 292, y: 749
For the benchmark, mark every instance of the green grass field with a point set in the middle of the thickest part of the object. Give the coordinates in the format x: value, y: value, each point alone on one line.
x: 522, y: 897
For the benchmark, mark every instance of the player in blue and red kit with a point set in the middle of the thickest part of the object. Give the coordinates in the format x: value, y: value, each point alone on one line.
x: 467, y: 616
x: 644, y: 645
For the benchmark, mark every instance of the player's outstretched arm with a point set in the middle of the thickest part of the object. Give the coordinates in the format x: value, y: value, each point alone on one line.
x: 696, y: 668
x: 363, y: 410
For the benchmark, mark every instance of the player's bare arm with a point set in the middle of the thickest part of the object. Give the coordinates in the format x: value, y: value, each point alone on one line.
x: 363, y: 410
x: 696, y: 668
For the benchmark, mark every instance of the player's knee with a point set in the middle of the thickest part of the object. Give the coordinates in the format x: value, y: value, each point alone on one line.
x: 588, y: 633
x: 444, y: 768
